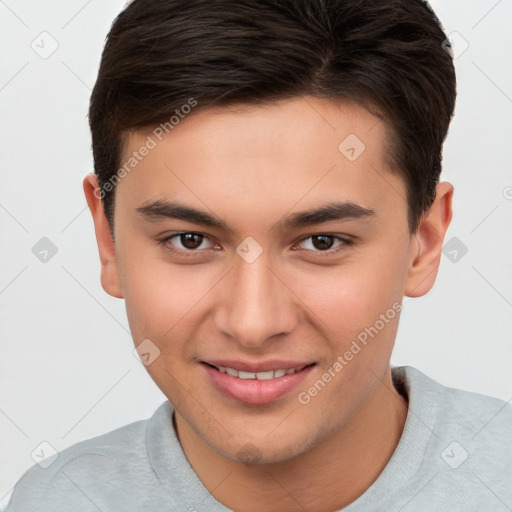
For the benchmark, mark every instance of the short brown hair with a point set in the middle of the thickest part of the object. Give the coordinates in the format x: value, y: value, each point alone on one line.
x: 390, y: 56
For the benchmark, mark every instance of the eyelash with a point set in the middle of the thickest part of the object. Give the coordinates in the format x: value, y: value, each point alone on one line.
x: 346, y: 242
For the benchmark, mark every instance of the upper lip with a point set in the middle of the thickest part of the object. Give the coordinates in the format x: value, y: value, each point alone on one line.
x: 256, y: 367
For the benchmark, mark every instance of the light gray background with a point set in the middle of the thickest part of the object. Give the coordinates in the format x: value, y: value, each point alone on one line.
x: 67, y: 371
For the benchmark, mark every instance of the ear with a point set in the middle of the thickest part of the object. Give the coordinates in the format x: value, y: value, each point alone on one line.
x: 109, y: 271
x: 425, y: 259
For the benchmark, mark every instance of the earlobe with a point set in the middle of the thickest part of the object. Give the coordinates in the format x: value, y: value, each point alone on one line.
x: 426, y: 253
x: 110, y: 280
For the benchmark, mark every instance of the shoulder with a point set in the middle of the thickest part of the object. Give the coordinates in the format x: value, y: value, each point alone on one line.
x: 463, y: 412
x: 468, y: 456
x: 83, y: 474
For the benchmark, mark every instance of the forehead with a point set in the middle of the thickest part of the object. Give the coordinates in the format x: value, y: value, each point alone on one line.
x: 250, y: 157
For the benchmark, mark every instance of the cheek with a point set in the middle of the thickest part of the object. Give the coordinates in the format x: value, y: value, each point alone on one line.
x: 160, y: 297
x: 352, y: 296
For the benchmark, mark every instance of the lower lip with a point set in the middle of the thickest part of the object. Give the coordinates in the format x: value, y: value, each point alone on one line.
x: 254, y: 391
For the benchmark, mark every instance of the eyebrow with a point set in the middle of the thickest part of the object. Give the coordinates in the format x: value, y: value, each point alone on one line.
x: 162, y: 209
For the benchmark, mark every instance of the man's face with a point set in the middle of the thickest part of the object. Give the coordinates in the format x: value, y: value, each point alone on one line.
x: 293, y: 294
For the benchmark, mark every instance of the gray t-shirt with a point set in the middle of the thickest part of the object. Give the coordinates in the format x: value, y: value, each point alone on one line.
x: 455, y: 455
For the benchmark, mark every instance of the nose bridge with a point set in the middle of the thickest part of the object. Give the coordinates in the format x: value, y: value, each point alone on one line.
x: 255, y: 305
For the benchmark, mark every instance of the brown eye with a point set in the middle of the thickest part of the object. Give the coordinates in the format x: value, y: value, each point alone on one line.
x: 191, y: 240
x: 325, y: 243
x: 186, y: 243
x: 322, y: 242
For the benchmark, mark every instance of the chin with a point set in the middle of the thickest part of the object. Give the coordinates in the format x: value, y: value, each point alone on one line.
x: 263, y: 452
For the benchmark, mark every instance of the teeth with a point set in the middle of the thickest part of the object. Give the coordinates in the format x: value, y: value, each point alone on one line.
x: 265, y: 375
x: 246, y: 375
x: 272, y: 374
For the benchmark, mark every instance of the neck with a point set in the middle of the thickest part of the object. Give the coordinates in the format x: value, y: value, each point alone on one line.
x: 328, y: 477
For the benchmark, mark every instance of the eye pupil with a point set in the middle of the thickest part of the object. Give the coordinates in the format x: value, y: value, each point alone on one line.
x: 322, y: 241
x: 191, y: 240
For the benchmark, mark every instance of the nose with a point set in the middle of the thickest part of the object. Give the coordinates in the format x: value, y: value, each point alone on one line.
x: 256, y: 304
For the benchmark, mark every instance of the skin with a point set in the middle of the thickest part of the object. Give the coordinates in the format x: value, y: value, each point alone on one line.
x: 250, y: 167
